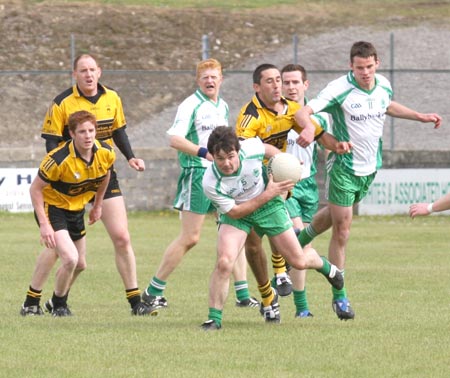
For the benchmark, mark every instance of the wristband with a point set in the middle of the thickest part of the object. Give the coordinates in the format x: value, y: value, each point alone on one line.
x: 430, y: 207
x: 202, y: 152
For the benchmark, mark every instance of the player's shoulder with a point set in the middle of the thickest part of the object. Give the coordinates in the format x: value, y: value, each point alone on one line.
x: 250, y: 109
x: 59, y: 154
x: 191, y: 102
x: 103, y: 145
x: 382, y: 80
x: 209, y: 179
x: 63, y: 96
x: 293, y: 106
x: 109, y: 91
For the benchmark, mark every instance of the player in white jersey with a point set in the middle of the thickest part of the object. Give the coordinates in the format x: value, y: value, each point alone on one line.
x: 236, y: 184
x: 303, y: 202
x: 197, y: 116
x: 358, y: 103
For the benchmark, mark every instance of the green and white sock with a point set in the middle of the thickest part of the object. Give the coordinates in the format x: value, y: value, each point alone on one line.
x: 307, y: 235
x: 156, y: 287
x: 241, y: 289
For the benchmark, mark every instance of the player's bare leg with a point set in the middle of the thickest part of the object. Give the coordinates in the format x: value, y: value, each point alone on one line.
x: 44, y: 265
x: 342, y: 220
x: 191, y: 226
x: 114, y: 217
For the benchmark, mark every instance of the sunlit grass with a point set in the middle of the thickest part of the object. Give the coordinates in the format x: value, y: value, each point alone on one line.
x: 397, y: 279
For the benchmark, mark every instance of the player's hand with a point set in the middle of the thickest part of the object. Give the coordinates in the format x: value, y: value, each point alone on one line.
x: 418, y: 209
x: 436, y: 119
x: 95, y: 214
x: 343, y: 147
x: 47, y: 235
x: 279, y: 188
x: 137, y: 164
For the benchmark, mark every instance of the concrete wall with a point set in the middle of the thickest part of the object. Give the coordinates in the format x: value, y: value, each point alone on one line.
x: 155, y: 188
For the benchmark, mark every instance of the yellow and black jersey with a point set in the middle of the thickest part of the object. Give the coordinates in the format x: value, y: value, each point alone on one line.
x: 106, y: 106
x: 72, y: 180
x: 256, y: 120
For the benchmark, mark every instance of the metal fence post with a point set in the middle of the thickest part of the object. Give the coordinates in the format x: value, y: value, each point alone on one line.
x: 391, y: 76
x: 295, y: 46
x: 72, y: 55
x: 205, y: 47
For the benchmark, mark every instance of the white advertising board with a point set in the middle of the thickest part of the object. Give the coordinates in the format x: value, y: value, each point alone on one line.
x: 15, y: 189
x: 393, y: 190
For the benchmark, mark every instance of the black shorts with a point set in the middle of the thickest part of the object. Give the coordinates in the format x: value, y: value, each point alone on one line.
x: 113, y: 189
x: 61, y: 219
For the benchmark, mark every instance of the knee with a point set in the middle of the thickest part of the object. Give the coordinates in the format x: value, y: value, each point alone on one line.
x: 82, y: 265
x: 299, y: 264
x: 190, y: 241
x: 70, y: 263
x: 121, y: 240
x: 224, y: 266
x: 342, y: 234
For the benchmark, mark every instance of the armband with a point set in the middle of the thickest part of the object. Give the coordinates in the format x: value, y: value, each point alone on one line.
x: 202, y: 152
x: 430, y: 207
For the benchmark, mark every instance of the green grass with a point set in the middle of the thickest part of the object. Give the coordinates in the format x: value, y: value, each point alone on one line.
x: 397, y: 278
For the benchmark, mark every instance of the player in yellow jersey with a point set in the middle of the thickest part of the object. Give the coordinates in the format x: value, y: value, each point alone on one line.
x: 270, y: 117
x: 67, y: 180
x: 88, y: 94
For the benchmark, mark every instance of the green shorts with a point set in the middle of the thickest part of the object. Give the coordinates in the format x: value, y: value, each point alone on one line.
x: 190, y: 195
x: 270, y: 219
x: 304, y: 200
x: 344, y: 188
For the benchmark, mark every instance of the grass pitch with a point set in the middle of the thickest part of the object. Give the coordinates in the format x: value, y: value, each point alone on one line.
x: 397, y: 278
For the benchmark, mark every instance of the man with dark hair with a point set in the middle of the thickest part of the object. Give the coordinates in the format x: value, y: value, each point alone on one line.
x: 270, y: 117
x: 303, y: 202
x: 358, y: 103
x: 236, y: 185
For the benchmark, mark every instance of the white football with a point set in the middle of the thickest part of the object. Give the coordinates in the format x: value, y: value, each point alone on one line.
x: 284, y: 167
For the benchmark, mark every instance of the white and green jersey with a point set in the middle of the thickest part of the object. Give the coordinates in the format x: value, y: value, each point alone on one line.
x: 308, y: 155
x: 197, y: 116
x: 358, y: 116
x: 247, y: 183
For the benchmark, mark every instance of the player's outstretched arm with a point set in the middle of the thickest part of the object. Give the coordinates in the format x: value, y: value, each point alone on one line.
x: 329, y: 142
x: 398, y: 110
x: 439, y: 205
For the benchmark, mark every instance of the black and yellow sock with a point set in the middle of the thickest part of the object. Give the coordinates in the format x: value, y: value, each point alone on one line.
x: 307, y: 235
x: 133, y: 296
x: 33, y: 297
x: 278, y: 263
x: 241, y: 289
x: 267, y: 294
x: 216, y: 315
